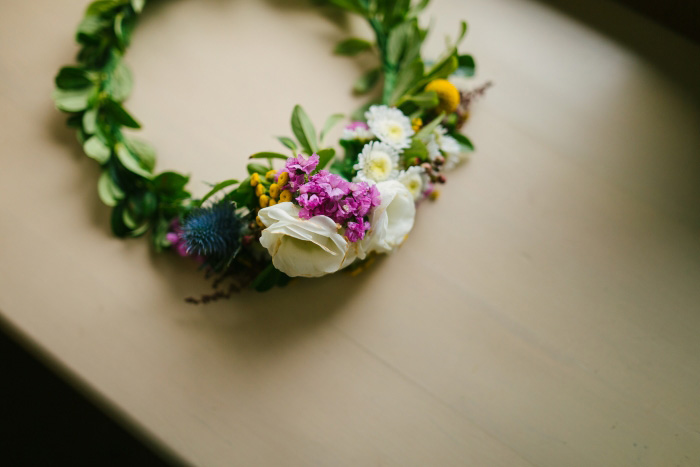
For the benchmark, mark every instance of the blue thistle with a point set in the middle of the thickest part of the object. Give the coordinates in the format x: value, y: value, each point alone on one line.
x: 214, y: 232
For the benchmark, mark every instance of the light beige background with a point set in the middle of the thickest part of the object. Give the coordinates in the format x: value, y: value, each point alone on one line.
x: 545, y: 311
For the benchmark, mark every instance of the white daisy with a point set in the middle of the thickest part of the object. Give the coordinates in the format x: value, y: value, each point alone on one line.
x: 377, y: 162
x: 390, y: 125
x: 416, y: 180
x: 357, y: 131
x: 448, y: 146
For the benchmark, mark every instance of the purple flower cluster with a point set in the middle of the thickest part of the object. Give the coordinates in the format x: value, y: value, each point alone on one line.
x: 327, y: 194
x: 298, y: 168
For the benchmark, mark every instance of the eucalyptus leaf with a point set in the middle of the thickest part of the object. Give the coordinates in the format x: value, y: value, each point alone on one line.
x: 119, y: 114
x: 332, y: 121
x: 119, y: 30
x: 72, y: 100
x: 304, y: 130
x: 108, y: 191
x: 267, y: 279
x: 117, y: 222
x: 72, y: 78
x: 89, y: 120
x: 144, y: 151
x: 130, y: 161
x: 96, y: 149
x: 366, y: 82
x: 352, y: 46
x: 288, y: 142
x: 138, y: 5
x: 120, y: 82
x: 89, y: 27
x: 100, y: 7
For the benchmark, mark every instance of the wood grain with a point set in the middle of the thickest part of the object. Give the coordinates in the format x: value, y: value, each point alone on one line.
x: 543, y: 312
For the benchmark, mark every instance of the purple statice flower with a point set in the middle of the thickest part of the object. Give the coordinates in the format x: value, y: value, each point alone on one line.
x: 357, y: 126
x: 347, y: 203
x: 355, y: 231
x: 298, y: 168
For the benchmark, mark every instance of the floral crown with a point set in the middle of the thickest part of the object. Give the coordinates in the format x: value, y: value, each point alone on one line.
x: 318, y: 213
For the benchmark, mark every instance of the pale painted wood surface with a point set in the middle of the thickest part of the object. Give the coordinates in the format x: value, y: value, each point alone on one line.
x: 545, y: 311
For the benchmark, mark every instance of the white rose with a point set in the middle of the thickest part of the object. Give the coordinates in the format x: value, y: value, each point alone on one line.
x: 306, y: 248
x: 390, y: 222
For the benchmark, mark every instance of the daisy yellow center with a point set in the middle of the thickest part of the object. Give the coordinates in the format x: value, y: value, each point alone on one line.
x: 380, y: 165
x: 395, y: 132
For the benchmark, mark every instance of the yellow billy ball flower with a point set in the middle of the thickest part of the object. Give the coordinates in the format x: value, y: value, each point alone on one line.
x: 270, y: 175
x: 447, y: 93
x: 264, y: 200
x: 272, y: 202
x: 286, y: 195
x: 259, y: 189
x: 259, y: 221
x: 416, y: 123
x: 274, y: 191
x: 254, y: 179
x: 283, y: 179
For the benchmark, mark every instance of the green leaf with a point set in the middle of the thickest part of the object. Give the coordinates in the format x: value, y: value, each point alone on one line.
x: 325, y: 156
x: 89, y: 121
x: 330, y: 123
x: 351, y: 5
x: 90, y: 27
x: 118, y: 227
x: 404, y: 43
x: 425, y: 100
x: 442, y: 69
x: 120, y: 83
x: 257, y: 168
x: 72, y: 78
x: 170, y: 183
x: 424, y: 133
x: 72, y: 100
x: 243, y: 195
x: 288, y: 142
x: 352, y: 46
x: 119, y: 114
x: 304, y: 130
x: 142, y: 205
x: 417, y: 149
x: 109, y: 192
x: 408, y: 78
x: 269, y: 155
x: 138, y: 5
x: 96, y: 149
x: 119, y: 30
x: 216, y: 188
x: 464, y: 142
x: 267, y: 279
x: 130, y: 161
x: 99, y: 7
x: 465, y: 66
x: 366, y: 82
x: 144, y: 151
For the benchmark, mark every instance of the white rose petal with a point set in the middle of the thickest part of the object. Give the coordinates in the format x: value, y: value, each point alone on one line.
x: 391, y: 221
x: 306, y: 248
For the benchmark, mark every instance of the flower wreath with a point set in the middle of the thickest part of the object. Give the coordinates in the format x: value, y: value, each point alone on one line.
x: 316, y: 215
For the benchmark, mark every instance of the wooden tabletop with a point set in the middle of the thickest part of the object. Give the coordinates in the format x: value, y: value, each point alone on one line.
x: 544, y: 311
